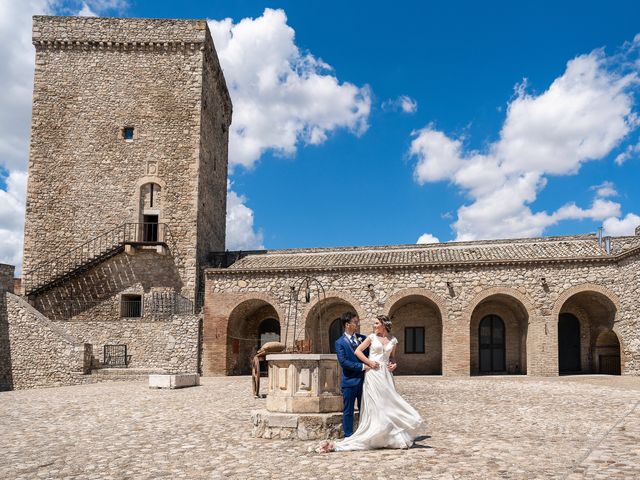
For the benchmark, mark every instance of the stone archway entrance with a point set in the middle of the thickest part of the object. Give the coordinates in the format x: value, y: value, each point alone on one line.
x: 607, y: 354
x: 417, y: 324
x: 586, y: 341
x: 492, y: 345
x: 568, y: 343
x: 498, y: 331
x: 249, y: 323
x: 322, y: 324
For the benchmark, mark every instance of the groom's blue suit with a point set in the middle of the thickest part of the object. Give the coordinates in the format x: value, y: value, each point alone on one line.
x: 351, y: 381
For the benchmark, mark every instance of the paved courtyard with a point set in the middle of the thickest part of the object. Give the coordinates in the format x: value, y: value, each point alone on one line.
x: 485, y: 427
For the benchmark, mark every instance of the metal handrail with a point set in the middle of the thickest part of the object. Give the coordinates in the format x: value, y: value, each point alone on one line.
x: 94, y: 249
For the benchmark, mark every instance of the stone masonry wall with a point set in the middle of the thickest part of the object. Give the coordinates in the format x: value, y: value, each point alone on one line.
x: 6, y: 285
x: 41, y: 353
x: 212, y: 188
x: 93, y: 78
x: 170, y: 345
x: 531, y: 346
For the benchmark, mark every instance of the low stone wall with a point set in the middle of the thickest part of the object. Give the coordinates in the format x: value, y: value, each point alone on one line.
x: 35, y: 352
x: 170, y: 345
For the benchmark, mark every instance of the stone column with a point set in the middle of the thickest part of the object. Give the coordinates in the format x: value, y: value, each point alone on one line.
x: 542, y: 347
x: 455, y: 347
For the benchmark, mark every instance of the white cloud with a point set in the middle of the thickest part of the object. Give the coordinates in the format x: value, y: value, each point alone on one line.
x: 621, y: 226
x: 605, y: 189
x: 86, y: 11
x: 240, y: 229
x: 627, y: 153
x: 582, y: 116
x: 281, y: 96
x: 12, y: 218
x: 403, y: 103
x: 428, y: 238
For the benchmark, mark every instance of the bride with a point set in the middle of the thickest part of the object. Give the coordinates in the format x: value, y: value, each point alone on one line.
x: 386, y: 419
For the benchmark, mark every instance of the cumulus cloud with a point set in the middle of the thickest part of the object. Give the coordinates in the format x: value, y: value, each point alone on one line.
x: 282, y: 97
x: 627, y: 153
x: 240, y: 229
x: 86, y: 11
x: 621, y: 226
x: 583, y: 115
x: 605, y: 189
x: 428, y: 238
x: 403, y: 103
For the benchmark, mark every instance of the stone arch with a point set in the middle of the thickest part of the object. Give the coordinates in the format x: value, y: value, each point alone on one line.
x: 585, y: 287
x: 155, y: 211
x: 514, y: 310
x: 225, y: 308
x: 242, y: 338
x: 321, y: 313
x: 597, y: 309
x: 418, y: 325
x: 507, y: 291
x: 422, y: 292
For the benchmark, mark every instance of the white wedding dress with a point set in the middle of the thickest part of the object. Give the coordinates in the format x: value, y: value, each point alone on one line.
x: 386, y: 419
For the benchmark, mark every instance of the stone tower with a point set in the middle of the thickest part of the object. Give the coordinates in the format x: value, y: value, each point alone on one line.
x: 128, y: 161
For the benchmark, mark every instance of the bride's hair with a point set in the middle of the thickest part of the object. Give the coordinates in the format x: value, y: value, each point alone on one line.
x: 386, y: 321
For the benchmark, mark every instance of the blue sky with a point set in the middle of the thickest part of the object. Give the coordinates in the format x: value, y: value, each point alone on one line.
x: 498, y: 137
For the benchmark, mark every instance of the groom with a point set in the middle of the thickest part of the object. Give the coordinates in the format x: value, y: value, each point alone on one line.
x: 352, y: 369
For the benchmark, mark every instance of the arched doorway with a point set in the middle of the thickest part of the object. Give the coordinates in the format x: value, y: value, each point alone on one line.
x: 498, y: 336
x: 583, y: 317
x: 250, y: 322
x: 568, y: 343
x: 417, y: 324
x: 607, y: 354
x: 323, y: 326
x: 492, y: 345
x: 335, y: 330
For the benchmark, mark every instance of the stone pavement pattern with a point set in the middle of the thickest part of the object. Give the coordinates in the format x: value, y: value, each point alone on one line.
x: 484, y: 427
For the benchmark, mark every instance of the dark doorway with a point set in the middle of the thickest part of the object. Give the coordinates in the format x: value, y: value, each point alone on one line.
x: 492, y: 342
x: 568, y: 343
x: 268, y: 331
x: 150, y: 228
x: 335, y: 330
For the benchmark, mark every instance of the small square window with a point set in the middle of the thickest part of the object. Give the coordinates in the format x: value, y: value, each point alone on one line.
x: 131, y: 306
x: 127, y: 133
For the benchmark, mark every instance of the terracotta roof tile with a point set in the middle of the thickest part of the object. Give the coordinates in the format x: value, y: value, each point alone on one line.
x: 549, y: 248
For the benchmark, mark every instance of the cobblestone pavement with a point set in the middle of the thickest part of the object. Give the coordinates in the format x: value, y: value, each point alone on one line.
x: 483, y: 427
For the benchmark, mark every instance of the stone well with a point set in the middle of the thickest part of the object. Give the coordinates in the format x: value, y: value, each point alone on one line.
x: 303, y: 400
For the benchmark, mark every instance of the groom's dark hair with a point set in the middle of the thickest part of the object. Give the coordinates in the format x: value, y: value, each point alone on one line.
x: 346, y: 318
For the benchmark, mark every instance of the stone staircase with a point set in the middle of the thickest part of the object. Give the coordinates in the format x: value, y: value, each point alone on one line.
x: 123, y: 374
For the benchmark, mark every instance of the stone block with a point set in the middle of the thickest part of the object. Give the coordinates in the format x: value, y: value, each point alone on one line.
x: 180, y: 380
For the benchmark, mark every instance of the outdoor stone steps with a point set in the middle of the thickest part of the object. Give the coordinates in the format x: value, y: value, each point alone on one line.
x: 124, y: 374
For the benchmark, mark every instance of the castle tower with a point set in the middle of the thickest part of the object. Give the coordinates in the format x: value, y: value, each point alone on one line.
x: 128, y: 161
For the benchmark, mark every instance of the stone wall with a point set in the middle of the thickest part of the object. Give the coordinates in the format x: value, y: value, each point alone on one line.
x: 6, y: 285
x: 214, y: 140
x: 170, y: 345
x: 40, y: 353
x: 94, y: 77
x: 606, y: 292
